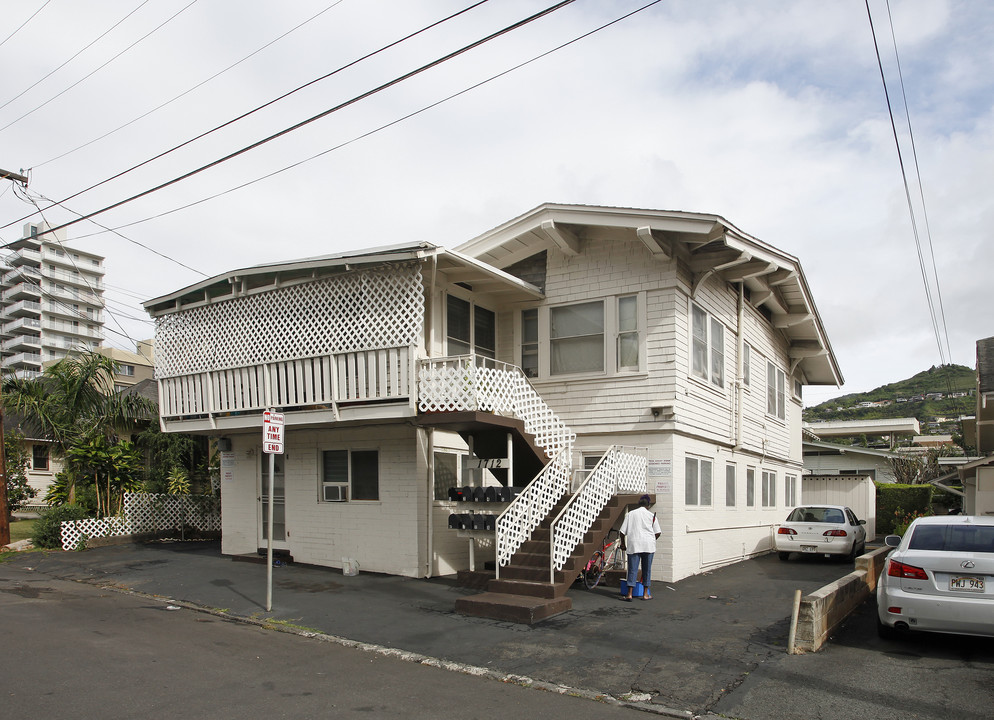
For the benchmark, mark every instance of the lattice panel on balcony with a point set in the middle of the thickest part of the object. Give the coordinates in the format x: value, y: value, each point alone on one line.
x: 355, y: 311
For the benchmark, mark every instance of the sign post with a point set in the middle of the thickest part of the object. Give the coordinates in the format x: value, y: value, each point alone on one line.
x: 272, y: 445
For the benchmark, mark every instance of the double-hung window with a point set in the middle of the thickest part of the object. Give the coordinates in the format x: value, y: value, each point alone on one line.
x: 469, y: 328
x: 350, y: 474
x: 729, y: 485
x: 697, y: 481
x: 39, y: 457
x: 576, y: 335
x: 628, y: 333
x: 790, y: 490
x: 708, y: 347
x: 529, y: 342
x: 751, y: 487
x: 769, y: 489
x: 775, y: 384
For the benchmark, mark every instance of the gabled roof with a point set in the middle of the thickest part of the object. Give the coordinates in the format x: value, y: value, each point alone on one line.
x: 707, y: 244
x: 456, y: 266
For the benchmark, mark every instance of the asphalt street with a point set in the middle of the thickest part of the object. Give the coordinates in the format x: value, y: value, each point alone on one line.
x: 714, y: 643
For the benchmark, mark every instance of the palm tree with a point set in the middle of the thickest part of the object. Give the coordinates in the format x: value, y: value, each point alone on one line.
x: 74, y: 401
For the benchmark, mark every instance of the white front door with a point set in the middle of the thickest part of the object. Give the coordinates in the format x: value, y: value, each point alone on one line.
x: 279, y: 503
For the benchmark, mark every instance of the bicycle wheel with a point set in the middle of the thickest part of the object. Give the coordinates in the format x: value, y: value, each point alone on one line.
x: 594, y: 570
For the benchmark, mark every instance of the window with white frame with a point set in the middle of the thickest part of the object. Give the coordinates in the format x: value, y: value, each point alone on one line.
x: 708, y: 347
x: 350, y: 475
x: 750, y: 487
x: 39, y: 457
x: 790, y: 490
x: 769, y: 489
x: 746, y: 364
x: 628, y: 333
x: 697, y: 482
x: 775, y: 401
x: 529, y: 342
x: 576, y: 334
x: 729, y: 485
x: 469, y: 328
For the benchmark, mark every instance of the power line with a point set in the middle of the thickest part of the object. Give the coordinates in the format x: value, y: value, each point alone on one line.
x: 907, y: 191
x: 325, y: 113
x: 78, y: 53
x: 396, y: 121
x: 262, y: 107
x: 101, y: 67
x: 188, y: 91
x: 21, y: 26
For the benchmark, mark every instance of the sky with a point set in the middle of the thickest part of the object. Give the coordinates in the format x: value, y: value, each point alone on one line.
x: 769, y: 113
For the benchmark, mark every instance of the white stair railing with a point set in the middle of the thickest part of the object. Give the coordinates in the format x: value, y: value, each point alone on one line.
x: 620, y: 470
x: 472, y: 382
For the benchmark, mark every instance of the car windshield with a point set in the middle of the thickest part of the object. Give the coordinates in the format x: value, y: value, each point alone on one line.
x: 953, y: 538
x: 817, y: 514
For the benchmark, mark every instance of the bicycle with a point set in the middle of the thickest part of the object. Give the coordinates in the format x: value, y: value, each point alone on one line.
x: 609, y: 557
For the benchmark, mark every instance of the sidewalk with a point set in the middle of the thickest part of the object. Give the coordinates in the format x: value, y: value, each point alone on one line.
x: 693, y: 642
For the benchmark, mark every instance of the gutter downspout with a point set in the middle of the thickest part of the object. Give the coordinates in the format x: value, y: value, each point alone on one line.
x: 739, y: 390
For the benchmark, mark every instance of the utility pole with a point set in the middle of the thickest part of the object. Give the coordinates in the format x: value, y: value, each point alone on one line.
x: 4, y: 503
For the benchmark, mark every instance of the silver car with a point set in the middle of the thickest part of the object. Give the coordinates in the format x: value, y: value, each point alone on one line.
x: 939, y: 578
x: 829, y: 530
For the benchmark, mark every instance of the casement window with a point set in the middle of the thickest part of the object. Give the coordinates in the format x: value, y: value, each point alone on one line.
x: 697, y: 482
x: 576, y: 334
x: 790, y: 490
x: 350, y: 475
x: 708, y: 347
x: 529, y: 342
x: 775, y: 385
x: 628, y: 333
x: 446, y: 473
x: 769, y: 489
x: 746, y: 364
x: 729, y: 486
x: 39, y: 457
x: 469, y: 328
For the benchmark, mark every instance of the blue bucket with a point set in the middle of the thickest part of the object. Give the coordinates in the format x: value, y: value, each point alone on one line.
x: 638, y: 591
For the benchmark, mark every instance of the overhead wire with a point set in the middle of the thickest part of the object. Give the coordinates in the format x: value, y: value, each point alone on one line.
x: 268, y: 104
x: 189, y: 90
x: 78, y: 53
x: 21, y: 26
x: 102, y: 66
x: 921, y: 189
x: 907, y: 191
x: 382, y: 127
x: 380, y: 88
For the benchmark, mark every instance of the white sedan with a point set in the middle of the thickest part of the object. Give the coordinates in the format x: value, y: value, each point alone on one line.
x: 940, y: 578
x: 821, y: 530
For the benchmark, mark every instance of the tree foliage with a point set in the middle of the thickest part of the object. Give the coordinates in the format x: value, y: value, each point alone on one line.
x: 17, y: 459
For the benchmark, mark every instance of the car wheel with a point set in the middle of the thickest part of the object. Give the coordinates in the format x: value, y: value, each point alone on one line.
x: 783, y: 556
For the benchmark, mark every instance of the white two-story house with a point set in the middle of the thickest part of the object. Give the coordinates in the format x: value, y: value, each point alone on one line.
x: 570, y: 357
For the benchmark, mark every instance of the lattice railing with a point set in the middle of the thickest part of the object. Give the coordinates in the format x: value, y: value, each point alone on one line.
x: 516, y: 524
x: 473, y: 382
x: 620, y: 470
x: 147, y: 512
x: 371, y: 375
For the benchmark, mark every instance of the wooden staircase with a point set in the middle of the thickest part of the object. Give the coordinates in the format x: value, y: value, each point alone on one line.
x: 524, y: 593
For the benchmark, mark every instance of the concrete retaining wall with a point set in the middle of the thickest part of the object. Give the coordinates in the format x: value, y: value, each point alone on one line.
x: 824, y: 610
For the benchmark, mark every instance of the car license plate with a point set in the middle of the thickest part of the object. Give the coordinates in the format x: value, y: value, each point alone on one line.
x: 809, y: 548
x: 967, y: 584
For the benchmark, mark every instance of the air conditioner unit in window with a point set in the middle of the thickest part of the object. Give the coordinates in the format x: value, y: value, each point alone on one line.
x: 336, y: 493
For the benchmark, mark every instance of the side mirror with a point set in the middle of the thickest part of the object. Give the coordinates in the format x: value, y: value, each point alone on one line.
x: 862, y: 522
x: 892, y: 540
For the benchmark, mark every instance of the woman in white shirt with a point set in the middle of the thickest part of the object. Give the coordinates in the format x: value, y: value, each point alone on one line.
x: 639, y: 532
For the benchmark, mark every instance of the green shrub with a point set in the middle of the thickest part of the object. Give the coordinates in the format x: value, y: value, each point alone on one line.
x: 896, y: 501
x: 48, y: 527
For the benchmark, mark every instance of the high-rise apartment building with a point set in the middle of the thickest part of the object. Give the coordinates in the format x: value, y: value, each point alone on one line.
x: 52, y: 301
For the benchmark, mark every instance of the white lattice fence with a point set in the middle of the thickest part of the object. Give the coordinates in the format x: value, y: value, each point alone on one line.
x: 360, y: 310
x: 620, y: 470
x: 147, y: 512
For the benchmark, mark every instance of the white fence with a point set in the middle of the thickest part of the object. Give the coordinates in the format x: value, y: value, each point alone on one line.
x: 145, y: 513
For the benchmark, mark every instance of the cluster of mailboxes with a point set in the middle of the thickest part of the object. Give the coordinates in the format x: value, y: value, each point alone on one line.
x: 496, y: 493
x: 479, y: 521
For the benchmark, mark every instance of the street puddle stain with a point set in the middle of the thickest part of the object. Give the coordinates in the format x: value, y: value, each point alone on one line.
x: 322, y: 587
x: 28, y: 593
